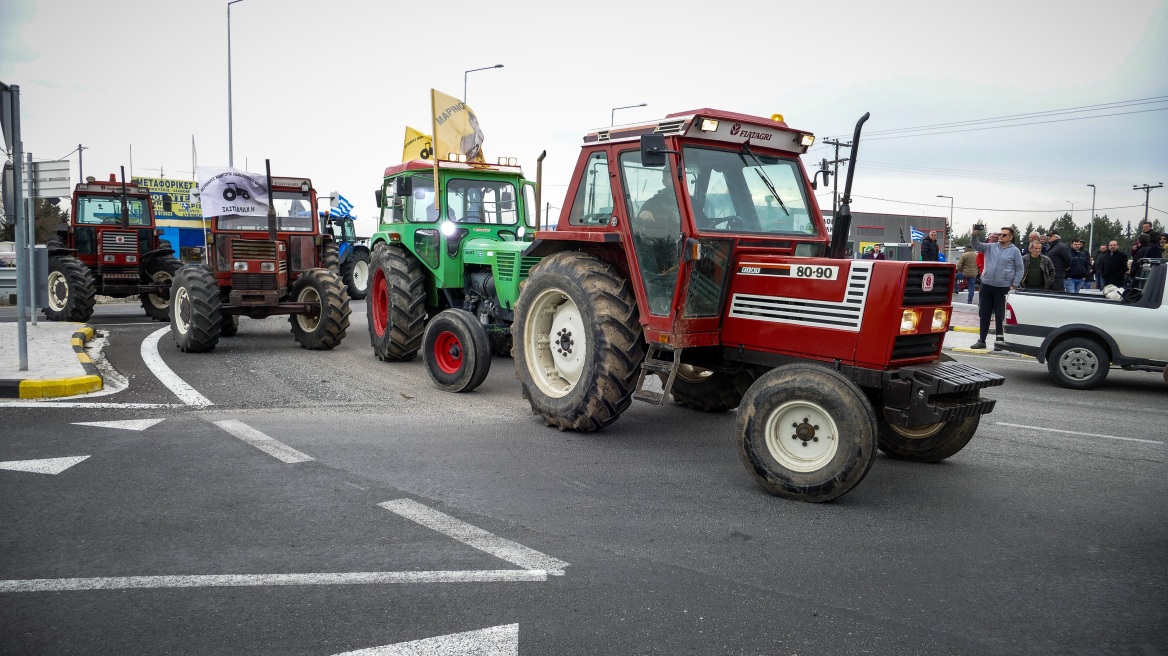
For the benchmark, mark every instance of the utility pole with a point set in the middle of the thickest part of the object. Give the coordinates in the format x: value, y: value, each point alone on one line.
x: 1147, y: 192
x: 835, y: 174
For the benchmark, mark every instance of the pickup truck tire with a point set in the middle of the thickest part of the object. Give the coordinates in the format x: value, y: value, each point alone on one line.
x: 396, y: 306
x: 1078, y: 363
x: 806, y: 432
x: 932, y: 443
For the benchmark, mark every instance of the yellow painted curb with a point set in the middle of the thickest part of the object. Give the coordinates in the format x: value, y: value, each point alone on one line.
x: 964, y: 329
x: 48, y: 389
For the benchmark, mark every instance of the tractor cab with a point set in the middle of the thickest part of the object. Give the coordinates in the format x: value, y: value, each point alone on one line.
x: 111, y: 228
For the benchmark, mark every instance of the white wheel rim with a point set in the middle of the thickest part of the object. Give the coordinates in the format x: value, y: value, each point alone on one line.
x: 1079, y: 363
x: 801, y: 436
x: 182, y: 305
x: 920, y: 432
x: 361, y: 275
x: 307, y: 323
x: 57, y: 283
x: 555, y: 342
x: 158, y: 301
x: 692, y: 374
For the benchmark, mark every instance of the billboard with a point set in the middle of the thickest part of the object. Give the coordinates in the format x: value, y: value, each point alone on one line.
x: 176, y: 193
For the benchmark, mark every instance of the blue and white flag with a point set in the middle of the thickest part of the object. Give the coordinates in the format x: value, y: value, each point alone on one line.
x: 343, y: 208
x: 917, y: 235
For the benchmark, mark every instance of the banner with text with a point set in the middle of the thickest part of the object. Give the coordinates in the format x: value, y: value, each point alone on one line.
x: 417, y: 145
x: 224, y: 190
x: 456, y: 128
x: 171, y: 198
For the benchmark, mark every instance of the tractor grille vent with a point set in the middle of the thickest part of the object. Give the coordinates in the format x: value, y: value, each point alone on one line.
x: 251, y: 249
x: 670, y: 127
x: 253, y: 281
x: 120, y: 273
x: 509, y: 262
x: 119, y: 242
x: 603, y: 135
x: 916, y: 346
x: 914, y: 293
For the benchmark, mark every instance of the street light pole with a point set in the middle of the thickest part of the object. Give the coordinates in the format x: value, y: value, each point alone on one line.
x: 949, y: 226
x: 1091, y: 239
x: 612, y: 116
x: 230, y: 136
x: 465, y: 73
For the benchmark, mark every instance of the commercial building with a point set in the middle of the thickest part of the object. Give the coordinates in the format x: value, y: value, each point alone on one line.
x: 892, y: 231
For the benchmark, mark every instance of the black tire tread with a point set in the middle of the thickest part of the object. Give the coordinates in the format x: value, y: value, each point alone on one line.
x: 82, y: 289
x: 346, y: 272
x: 206, y: 319
x: 407, y: 304
x: 169, y: 264
x: 334, y: 311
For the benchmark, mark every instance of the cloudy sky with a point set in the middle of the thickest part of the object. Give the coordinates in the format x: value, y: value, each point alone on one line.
x: 325, y: 89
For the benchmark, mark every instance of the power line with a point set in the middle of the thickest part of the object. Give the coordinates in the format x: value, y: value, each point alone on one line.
x: 991, y: 209
x: 1014, y: 125
x: 985, y: 175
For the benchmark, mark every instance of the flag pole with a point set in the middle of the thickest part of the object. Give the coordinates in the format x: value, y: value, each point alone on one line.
x: 434, y: 132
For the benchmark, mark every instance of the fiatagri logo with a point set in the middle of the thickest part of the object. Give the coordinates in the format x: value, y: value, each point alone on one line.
x: 736, y: 130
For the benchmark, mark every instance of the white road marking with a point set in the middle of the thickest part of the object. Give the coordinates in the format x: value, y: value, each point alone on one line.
x: 268, y: 445
x: 492, y: 641
x: 1057, y: 430
x: 52, y: 466
x: 78, y: 404
x: 124, y: 424
x: 251, y: 580
x: 509, y: 551
x: 153, y: 360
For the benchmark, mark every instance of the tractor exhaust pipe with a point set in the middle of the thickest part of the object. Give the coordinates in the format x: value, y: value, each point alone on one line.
x: 272, y: 204
x: 125, y: 202
x: 842, y: 221
x: 539, y: 190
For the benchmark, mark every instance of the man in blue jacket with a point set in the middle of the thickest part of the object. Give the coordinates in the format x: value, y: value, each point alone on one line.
x: 1001, y: 274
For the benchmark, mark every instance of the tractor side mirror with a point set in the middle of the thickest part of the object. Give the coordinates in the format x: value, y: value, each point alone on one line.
x: 377, y: 195
x: 506, y: 200
x: 403, y: 186
x: 653, y: 150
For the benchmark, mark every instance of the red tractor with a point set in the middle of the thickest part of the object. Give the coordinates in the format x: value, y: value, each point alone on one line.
x: 692, y: 248
x: 109, y: 246
x: 259, y: 267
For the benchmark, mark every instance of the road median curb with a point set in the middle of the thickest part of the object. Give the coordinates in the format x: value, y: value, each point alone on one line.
x: 47, y: 388
x: 1000, y: 354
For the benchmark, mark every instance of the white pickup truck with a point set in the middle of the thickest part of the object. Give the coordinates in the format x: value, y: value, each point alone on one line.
x: 1080, y: 336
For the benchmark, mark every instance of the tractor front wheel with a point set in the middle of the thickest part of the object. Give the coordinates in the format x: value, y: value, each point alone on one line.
x: 578, y: 341
x: 159, y: 270
x: 325, y: 329
x: 195, y: 320
x: 230, y: 325
x: 396, y: 306
x: 355, y: 273
x: 71, y: 290
x: 932, y: 443
x: 806, y: 432
x: 456, y: 351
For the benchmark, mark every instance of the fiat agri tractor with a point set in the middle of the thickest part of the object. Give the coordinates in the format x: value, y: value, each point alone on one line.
x: 692, y: 249
x: 260, y: 267
x: 447, y: 263
x: 110, y: 246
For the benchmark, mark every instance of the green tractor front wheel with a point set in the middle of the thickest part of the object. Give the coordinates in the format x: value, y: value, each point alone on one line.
x: 456, y: 351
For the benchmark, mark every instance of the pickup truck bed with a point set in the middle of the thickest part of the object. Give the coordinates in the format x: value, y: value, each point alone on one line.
x: 1080, y: 336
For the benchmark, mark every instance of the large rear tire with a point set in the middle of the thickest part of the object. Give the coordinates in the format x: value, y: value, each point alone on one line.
x: 159, y: 270
x: 806, y: 432
x: 355, y: 273
x: 330, y: 258
x: 195, y: 320
x: 230, y: 325
x: 710, y: 391
x: 396, y: 306
x: 578, y: 342
x: 325, y: 330
x: 71, y: 290
x: 456, y: 351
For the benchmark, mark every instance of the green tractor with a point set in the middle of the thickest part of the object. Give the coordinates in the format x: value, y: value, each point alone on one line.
x: 447, y: 263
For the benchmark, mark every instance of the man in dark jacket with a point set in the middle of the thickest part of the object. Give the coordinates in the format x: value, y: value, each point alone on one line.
x: 1079, y: 269
x: 1060, y: 257
x: 1097, y: 267
x: 1114, y: 265
x: 929, y: 249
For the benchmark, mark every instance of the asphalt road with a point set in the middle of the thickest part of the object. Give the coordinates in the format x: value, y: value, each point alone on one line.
x: 1046, y: 535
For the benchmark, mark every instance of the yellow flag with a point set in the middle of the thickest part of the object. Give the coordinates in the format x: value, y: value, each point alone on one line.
x: 456, y: 128
x: 417, y: 145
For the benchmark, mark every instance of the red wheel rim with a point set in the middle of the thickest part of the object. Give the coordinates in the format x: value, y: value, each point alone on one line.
x: 380, y: 301
x: 448, y: 352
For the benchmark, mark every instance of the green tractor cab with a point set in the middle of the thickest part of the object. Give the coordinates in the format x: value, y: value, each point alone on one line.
x: 447, y: 262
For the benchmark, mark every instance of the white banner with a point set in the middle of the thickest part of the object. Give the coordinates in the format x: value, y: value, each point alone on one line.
x: 224, y: 190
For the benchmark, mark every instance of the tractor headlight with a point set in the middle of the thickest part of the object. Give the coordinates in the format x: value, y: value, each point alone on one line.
x: 521, y: 231
x: 268, y: 267
x: 108, y: 258
x: 239, y: 266
x: 132, y: 259
x: 909, y: 320
x: 940, y: 320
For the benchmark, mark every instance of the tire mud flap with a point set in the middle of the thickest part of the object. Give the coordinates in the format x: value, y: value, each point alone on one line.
x: 939, y: 392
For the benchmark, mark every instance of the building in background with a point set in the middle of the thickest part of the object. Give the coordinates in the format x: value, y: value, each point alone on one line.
x: 893, y: 231
x: 180, y: 220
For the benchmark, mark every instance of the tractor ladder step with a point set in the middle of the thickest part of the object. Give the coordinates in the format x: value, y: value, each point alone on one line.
x: 656, y: 362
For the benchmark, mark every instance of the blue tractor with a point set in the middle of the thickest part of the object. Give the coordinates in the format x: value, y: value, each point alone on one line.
x: 348, y: 254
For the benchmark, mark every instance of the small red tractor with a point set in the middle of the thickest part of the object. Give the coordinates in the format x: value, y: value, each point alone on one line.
x: 109, y: 246
x: 261, y: 267
x: 691, y: 248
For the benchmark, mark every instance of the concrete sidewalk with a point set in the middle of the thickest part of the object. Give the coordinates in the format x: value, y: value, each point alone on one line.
x: 964, y: 326
x: 57, y: 362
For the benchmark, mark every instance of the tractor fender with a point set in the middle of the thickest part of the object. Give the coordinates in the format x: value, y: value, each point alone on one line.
x: 610, y: 250
x: 151, y: 255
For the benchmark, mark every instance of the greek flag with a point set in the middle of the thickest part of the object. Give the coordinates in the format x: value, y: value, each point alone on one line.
x: 342, y: 209
x: 917, y: 235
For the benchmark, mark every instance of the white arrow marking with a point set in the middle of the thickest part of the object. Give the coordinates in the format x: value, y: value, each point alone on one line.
x: 476, y: 537
x: 268, y: 445
x: 43, y: 466
x: 492, y: 641
x: 153, y: 360
x: 125, y: 424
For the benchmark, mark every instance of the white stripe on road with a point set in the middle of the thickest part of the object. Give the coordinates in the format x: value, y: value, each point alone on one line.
x: 80, y: 404
x: 1057, y: 430
x: 244, y: 580
x: 268, y: 445
x: 153, y: 360
x: 476, y: 537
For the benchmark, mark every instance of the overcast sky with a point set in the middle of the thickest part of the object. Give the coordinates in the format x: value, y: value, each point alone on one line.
x: 325, y: 89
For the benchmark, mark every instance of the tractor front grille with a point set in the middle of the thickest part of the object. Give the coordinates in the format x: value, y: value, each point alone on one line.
x: 251, y: 249
x: 511, y: 264
x: 253, y: 282
x: 938, y: 294
x: 119, y: 242
x: 907, y: 347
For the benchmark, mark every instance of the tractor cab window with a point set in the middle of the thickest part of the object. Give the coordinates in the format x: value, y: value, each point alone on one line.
x: 735, y: 191
x: 107, y: 210
x: 593, y: 203
x: 481, y: 201
x: 655, y: 221
x: 348, y: 233
x: 421, y: 207
x: 293, y: 214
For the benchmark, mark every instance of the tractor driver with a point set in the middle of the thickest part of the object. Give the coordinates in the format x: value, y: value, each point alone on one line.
x: 656, y: 229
